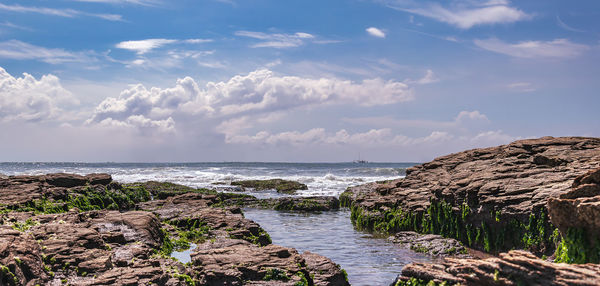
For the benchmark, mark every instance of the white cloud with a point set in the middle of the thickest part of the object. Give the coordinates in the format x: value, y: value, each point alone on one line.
x: 521, y: 87
x: 68, y: 13
x: 375, y: 32
x: 143, y: 46
x: 567, y: 27
x: 139, y: 123
x: 471, y: 115
x: 428, y: 78
x: 28, y: 99
x: 17, y: 50
x: 464, y: 14
x: 276, y: 40
x: 259, y: 92
x: 558, y: 48
x: 135, y: 2
x: 318, y: 136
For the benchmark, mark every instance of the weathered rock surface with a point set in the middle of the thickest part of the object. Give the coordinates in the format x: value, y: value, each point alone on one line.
x: 43, y: 243
x: 16, y: 190
x: 580, y: 207
x: 431, y: 244
x: 513, y: 268
x: 282, y: 186
x: 303, y: 204
x: 501, y: 186
x: 20, y: 258
x: 324, y: 271
x: 232, y: 262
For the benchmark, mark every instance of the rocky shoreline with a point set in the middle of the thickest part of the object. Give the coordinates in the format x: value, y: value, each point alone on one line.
x: 65, y: 229
x: 525, y: 213
x: 539, y: 195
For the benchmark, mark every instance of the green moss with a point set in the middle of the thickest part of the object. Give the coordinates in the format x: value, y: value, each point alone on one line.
x: 418, y: 282
x: 186, y: 278
x: 303, y: 281
x: 86, y: 200
x: 488, y: 233
x: 7, y: 277
x: 276, y: 274
x: 345, y: 199
x: 344, y: 273
x: 25, y: 226
x: 282, y: 186
x: 574, y: 247
x: 420, y: 248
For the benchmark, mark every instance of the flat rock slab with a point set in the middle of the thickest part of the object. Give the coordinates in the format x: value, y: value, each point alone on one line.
x: 513, y: 268
x: 431, y: 244
x: 280, y: 185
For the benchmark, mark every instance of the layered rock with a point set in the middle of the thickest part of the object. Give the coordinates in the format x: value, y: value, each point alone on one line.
x: 280, y: 185
x: 576, y: 213
x: 97, y: 232
x: 513, y: 268
x: 431, y: 244
x: 491, y: 198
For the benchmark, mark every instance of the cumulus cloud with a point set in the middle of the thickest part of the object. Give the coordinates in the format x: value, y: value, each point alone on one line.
x: 318, y: 136
x: 258, y: 92
x: 375, y: 32
x: 463, y: 14
x: 557, y: 48
x: 17, y: 50
x: 471, y: 115
x: 28, y: 99
x: 276, y: 40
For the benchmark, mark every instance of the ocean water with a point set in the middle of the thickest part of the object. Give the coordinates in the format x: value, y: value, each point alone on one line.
x: 368, y: 259
x: 321, y: 178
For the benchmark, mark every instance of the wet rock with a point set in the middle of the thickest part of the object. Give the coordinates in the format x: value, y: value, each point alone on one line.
x: 98, y: 179
x: 324, y: 271
x: 20, y: 258
x: 65, y: 180
x: 579, y: 208
x: 19, y: 190
x: 513, y: 268
x: 232, y: 261
x: 131, y: 247
x: 307, y: 204
x: 431, y: 244
x: 493, y: 191
x: 282, y: 186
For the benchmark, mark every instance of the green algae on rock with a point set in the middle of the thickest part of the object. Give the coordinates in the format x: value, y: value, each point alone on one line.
x: 280, y: 185
x: 88, y: 230
x: 492, y: 199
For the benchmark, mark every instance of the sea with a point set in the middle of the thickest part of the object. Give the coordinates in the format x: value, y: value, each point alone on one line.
x: 369, y: 259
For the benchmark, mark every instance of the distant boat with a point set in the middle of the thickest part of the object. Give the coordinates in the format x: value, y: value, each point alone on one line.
x: 359, y: 161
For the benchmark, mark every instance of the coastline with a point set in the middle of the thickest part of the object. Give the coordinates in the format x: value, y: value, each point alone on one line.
x: 482, y: 204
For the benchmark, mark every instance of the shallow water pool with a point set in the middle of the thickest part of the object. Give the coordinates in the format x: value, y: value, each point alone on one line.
x: 369, y: 260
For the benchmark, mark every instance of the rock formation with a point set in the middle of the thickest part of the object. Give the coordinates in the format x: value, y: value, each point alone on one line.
x: 513, y: 268
x: 492, y: 198
x: 62, y: 229
x: 280, y: 185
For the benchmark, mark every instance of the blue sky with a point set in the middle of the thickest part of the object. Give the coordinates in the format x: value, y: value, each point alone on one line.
x: 231, y: 80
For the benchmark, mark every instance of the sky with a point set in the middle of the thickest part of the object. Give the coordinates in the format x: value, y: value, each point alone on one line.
x: 291, y: 81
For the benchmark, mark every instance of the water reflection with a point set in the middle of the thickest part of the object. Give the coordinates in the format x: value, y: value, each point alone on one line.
x: 369, y: 260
